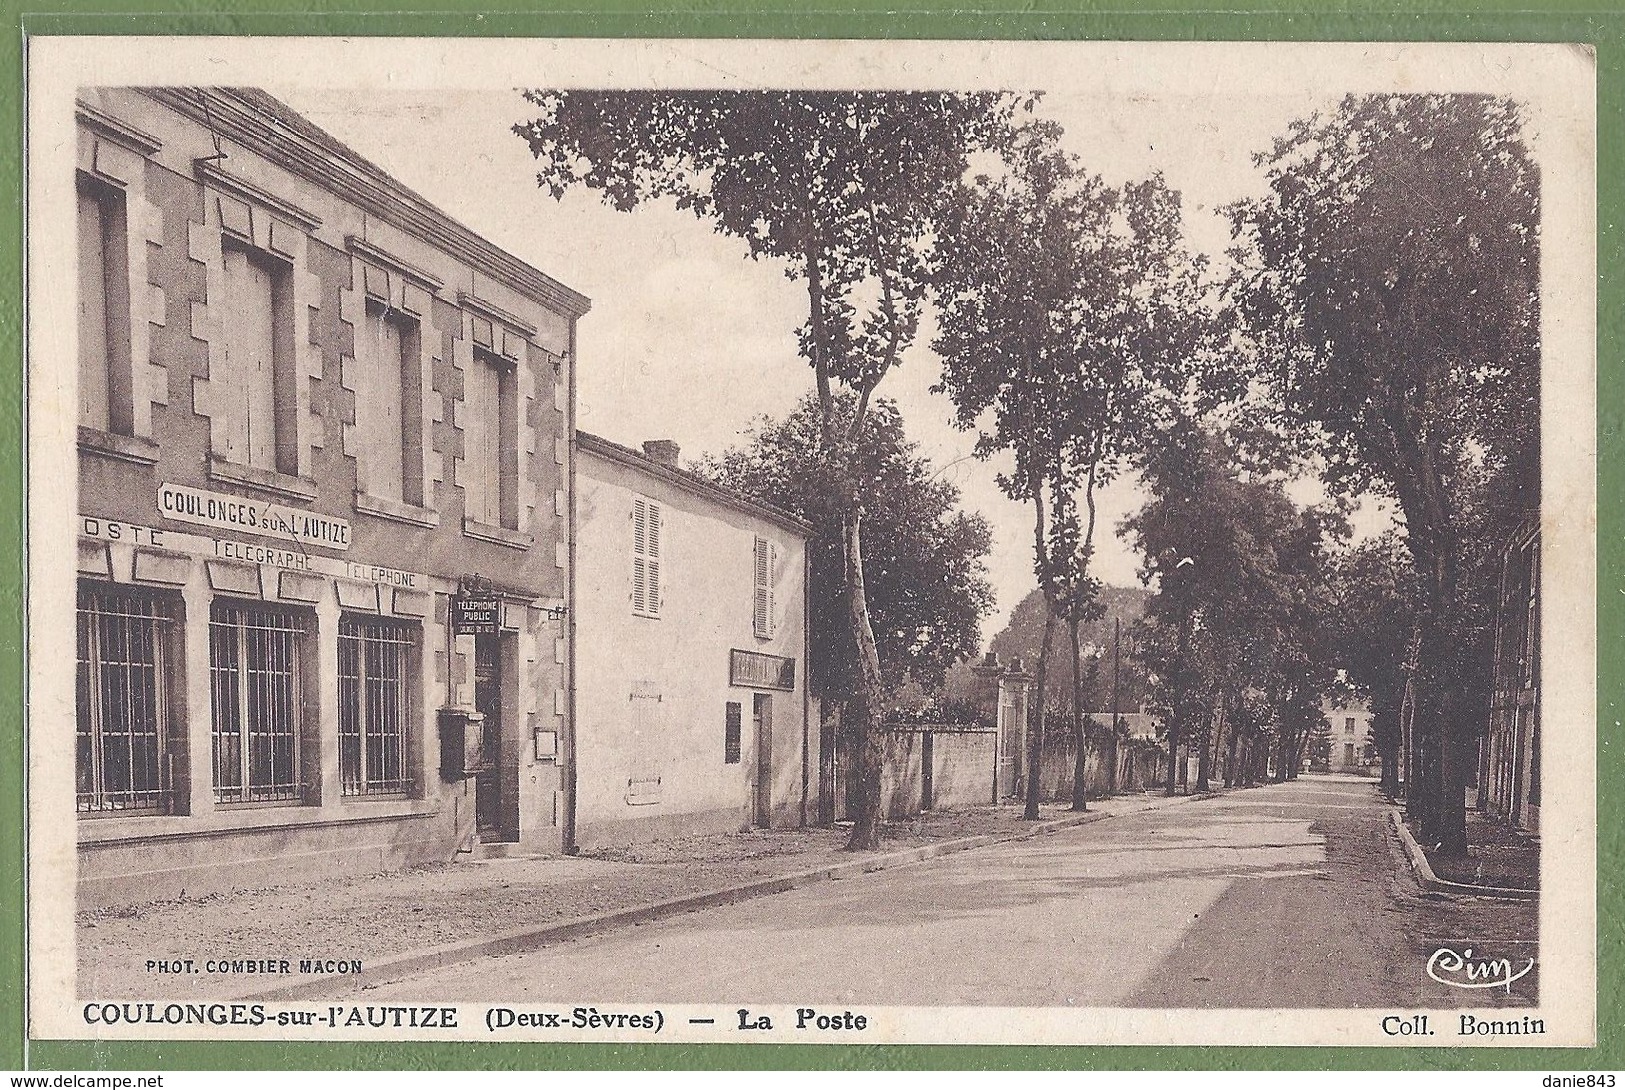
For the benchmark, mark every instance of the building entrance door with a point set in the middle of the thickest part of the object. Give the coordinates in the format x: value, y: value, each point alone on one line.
x: 488, y: 699
x: 762, y: 721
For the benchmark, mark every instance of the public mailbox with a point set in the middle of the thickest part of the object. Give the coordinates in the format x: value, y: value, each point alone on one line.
x: 461, y: 742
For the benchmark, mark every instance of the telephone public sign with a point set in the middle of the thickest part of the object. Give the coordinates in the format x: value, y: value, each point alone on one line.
x: 476, y: 616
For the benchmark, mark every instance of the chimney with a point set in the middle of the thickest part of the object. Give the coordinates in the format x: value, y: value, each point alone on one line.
x: 663, y: 451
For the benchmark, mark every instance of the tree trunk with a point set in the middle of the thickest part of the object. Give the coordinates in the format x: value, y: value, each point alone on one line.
x: 868, y: 693
x: 1176, y: 709
x: 1035, y: 721
x: 1203, y: 760
x: 1080, y: 760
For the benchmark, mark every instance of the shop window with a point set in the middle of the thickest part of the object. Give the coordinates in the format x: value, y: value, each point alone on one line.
x: 254, y: 680
x: 375, y: 705
x: 105, y: 402
x: 491, y: 438
x: 730, y: 737
x: 123, y: 721
x: 257, y: 329
x: 646, y: 533
x: 389, y: 405
x: 765, y: 564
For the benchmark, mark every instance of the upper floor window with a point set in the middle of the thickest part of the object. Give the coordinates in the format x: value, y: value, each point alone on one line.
x: 389, y: 405
x: 257, y: 329
x: 1348, y: 724
x: 105, y: 400
x: 646, y: 534
x: 491, y: 437
x: 765, y: 566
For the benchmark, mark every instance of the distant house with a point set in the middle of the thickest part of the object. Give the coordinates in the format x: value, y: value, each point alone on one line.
x: 692, y: 707
x: 1351, y: 735
x: 1509, y: 752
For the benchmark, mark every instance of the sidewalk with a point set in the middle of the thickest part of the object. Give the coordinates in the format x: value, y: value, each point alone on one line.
x: 450, y: 911
x: 1500, y: 861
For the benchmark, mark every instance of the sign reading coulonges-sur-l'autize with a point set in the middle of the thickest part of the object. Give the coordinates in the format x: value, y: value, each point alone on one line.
x: 184, y: 504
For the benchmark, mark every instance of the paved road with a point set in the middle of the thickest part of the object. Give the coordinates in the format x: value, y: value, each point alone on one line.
x: 1287, y: 895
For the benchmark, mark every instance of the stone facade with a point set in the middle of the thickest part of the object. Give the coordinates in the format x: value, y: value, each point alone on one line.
x: 292, y: 600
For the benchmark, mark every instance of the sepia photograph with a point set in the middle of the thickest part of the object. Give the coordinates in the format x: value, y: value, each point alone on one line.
x: 812, y: 542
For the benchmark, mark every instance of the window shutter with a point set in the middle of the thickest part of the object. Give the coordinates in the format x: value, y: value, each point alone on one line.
x: 762, y: 604
x: 645, y: 557
x: 772, y: 584
x: 653, y: 563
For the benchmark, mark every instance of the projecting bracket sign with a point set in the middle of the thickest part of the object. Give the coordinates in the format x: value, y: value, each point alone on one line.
x: 754, y: 670
x: 480, y: 616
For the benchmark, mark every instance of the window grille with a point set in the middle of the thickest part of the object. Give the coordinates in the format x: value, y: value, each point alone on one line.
x: 374, y: 664
x: 122, y: 721
x: 730, y: 741
x: 645, y: 557
x: 254, y: 684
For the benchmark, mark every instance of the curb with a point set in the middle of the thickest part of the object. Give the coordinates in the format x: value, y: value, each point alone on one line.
x: 534, y: 937
x: 1430, y: 881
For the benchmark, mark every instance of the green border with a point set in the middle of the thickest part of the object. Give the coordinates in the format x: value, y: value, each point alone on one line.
x: 1459, y: 20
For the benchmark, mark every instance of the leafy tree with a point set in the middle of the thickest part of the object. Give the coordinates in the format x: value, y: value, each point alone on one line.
x: 1389, y: 283
x: 1063, y: 327
x: 1024, y: 632
x: 923, y: 557
x: 1374, y: 590
x: 845, y: 189
x: 1234, y: 632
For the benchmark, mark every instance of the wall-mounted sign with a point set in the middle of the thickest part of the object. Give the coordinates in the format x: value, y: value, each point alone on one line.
x: 251, y: 552
x: 754, y: 670
x: 476, y: 616
x: 289, y: 524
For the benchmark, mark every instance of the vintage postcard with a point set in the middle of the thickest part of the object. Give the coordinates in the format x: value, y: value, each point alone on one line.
x: 811, y: 541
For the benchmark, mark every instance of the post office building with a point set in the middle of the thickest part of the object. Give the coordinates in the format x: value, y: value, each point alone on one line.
x: 323, y: 510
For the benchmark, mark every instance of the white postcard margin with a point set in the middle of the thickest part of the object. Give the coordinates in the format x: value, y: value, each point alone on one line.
x: 1556, y: 83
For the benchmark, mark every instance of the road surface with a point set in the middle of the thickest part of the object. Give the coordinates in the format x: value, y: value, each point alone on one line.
x: 1285, y: 895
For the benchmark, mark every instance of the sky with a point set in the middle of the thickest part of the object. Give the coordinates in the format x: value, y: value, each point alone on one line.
x: 688, y: 339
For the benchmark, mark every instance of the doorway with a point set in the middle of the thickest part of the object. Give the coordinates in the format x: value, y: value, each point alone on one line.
x: 762, y: 721
x: 488, y: 701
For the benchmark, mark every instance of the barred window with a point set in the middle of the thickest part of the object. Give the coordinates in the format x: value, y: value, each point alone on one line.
x: 373, y: 705
x: 730, y: 734
x: 254, y: 658
x: 122, y: 723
